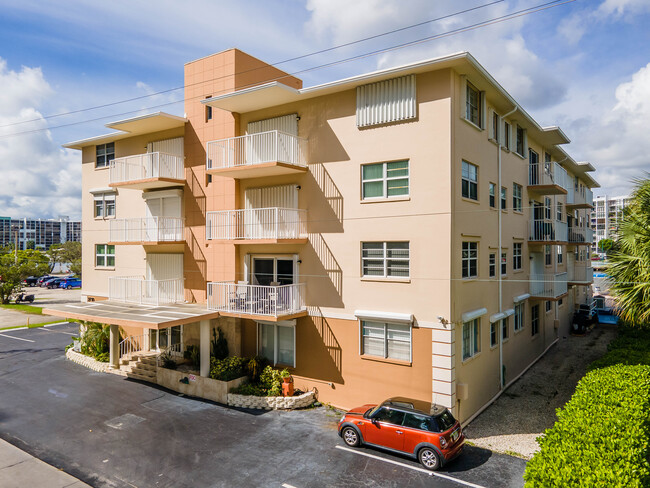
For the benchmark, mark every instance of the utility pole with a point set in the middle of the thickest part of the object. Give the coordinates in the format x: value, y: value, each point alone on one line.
x: 16, y: 250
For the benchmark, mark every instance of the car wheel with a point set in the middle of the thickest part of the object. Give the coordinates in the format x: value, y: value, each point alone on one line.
x: 429, y: 458
x: 350, y: 436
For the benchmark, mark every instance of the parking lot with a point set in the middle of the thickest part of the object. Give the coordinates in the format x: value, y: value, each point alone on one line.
x: 112, y: 432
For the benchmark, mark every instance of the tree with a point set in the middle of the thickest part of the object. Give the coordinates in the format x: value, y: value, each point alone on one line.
x: 68, y: 253
x: 604, y: 245
x: 629, y: 268
x: 13, y: 271
x: 30, y: 245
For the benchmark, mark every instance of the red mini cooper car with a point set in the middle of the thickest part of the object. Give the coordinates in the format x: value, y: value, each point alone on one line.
x: 425, y: 431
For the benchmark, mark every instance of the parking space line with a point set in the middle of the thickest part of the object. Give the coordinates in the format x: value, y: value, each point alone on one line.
x: 287, y: 485
x: 17, y: 338
x: 415, y: 468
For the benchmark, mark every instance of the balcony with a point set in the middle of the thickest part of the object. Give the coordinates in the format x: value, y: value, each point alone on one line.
x: 547, y: 179
x: 241, y: 299
x: 580, y: 198
x: 257, y: 155
x: 134, y: 289
x: 548, y: 286
x: 548, y: 231
x: 147, y: 171
x: 580, y: 275
x: 258, y: 225
x: 581, y: 235
x: 142, y: 231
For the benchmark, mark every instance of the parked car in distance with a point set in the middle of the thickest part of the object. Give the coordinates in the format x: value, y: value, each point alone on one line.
x: 70, y: 283
x: 40, y: 281
x: 53, y: 283
x: 422, y: 430
x: 30, y: 281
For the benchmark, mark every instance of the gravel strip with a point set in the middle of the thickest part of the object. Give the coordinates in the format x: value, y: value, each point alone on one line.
x: 525, y: 410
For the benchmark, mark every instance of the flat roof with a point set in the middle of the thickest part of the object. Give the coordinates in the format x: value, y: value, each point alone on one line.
x: 133, y: 314
x: 133, y: 126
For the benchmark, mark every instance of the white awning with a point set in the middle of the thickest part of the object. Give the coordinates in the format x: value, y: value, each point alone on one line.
x: 501, y: 315
x: 521, y: 298
x: 402, y: 318
x: 474, y: 314
x: 106, y: 189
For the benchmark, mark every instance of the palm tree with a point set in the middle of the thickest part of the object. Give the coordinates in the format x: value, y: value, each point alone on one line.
x: 629, y: 268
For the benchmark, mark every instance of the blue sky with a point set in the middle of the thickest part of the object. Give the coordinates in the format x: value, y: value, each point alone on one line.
x: 583, y: 65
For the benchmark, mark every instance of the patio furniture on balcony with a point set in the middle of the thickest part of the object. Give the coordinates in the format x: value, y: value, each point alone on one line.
x: 242, y: 298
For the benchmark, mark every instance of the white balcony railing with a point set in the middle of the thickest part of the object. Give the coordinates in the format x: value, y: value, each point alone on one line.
x: 584, y: 235
x: 256, y: 299
x: 548, y: 285
x: 149, y: 229
x: 133, y: 289
x: 146, y: 166
x: 256, y: 223
x: 580, y: 274
x: 581, y: 196
x: 254, y: 149
x: 548, y: 230
x: 548, y: 174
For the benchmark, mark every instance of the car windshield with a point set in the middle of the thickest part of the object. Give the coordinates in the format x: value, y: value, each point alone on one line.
x: 371, y: 412
x: 445, y: 421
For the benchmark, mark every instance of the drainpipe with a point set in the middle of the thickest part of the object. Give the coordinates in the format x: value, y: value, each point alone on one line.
x: 499, y: 274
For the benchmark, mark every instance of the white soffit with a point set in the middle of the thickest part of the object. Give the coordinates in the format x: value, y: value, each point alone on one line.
x: 402, y: 318
x: 474, y: 314
x: 162, y: 194
x: 521, y: 298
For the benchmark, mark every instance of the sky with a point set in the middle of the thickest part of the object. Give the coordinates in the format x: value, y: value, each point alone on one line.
x: 583, y: 65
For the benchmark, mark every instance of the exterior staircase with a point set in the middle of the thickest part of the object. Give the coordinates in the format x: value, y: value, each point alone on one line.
x: 140, y: 366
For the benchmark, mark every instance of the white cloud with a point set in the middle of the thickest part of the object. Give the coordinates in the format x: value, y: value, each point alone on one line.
x: 623, y: 7
x: 39, y: 179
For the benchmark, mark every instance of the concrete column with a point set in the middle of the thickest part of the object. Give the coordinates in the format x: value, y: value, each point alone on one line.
x: 204, y: 347
x: 114, y: 347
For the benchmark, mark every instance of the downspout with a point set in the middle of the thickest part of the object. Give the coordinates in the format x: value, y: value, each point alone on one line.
x: 499, y: 274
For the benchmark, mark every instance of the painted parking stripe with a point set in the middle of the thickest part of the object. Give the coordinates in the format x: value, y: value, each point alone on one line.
x: 287, y: 485
x: 17, y: 338
x: 415, y: 468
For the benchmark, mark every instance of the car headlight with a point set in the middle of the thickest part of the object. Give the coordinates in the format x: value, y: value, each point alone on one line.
x: 342, y: 418
x: 443, y: 442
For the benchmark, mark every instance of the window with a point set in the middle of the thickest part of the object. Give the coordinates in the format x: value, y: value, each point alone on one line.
x: 386, y: 340
x: 208, y: 113
x: 385, y: 259
x: 505, y: 330
x: 471, y: 338
x: 104, y: 256
x: 516, y: 256
x: 494, y: 335
x: 548, y: 257
x: 496, y: 121
x: 519, y: 317
x: 493, y: 195
x: 276, y: 343
x: 504, y: 263
x: 548, y: 306
x: 560, y: 302
x: 385, y: 180
x: 558, y: 207
x: 560, y: 255
x: 521, y: 134
x: 493, y: 265
x: 473, y: 105
x: 504, y: 198
x: 506, y: 135
x: 470, y: 260
x: 470, y: 181
x: 104, y: 154
x: 104, y: 205
x: 516, y: 197
x: 534, y: 319
x: 390, y: 416
x: 548, y: 208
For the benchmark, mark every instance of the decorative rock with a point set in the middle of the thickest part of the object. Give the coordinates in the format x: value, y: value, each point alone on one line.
x: 272, y: 403
x: 88, y: 362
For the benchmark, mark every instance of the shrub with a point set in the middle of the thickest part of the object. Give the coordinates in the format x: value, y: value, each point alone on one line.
x: 271, y: 381
x: 94, y: 341
x: 167, y: 360
x: 602, y: 435
x: 249, y: 389
x: 219, y: 344
x: 255, y: 367
x: 193, y: 354
x: 631, y: 346
x: 227, y: 369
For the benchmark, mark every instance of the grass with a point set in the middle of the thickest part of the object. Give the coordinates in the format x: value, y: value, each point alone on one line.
x: 23, y: 308
x: 32, y: 326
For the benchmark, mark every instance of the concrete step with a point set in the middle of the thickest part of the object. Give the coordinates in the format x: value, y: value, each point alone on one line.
x: 144, y: 366
x: 149, y: 360
x: 136, y: 376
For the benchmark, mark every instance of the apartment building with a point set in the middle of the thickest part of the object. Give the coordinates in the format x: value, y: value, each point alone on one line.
x: 39, y: 233
x: 606, y: 216
x: 411, y: 231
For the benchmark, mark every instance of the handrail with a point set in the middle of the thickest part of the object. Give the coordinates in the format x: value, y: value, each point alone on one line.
x: 548, y: 285
x: 147, y: 165
x: 133, y: 289
x: 257, y: 223
x: 547, y: 174
x: 227, y: 296
x: 133, y: 344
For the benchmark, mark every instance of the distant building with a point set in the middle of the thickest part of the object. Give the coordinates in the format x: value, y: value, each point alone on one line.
x: 43, y: 232
x: 606, y: 216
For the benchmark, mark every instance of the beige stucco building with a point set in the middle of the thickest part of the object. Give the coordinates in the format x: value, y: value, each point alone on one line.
x: 411, y: 231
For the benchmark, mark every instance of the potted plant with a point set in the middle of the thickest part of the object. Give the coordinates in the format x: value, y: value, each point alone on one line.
x: 287, y: 383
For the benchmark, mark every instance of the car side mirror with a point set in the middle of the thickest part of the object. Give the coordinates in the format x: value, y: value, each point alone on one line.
x: 374, y: 421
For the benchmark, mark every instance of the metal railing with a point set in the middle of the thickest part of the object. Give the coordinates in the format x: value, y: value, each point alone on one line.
x: 133, y: 344
x: 256, y: 223
x: 583, y: 235
x: 174, y: 350
x: 147, y: 229
x: 256, y: 299
x: 133, y: 289
x: 252, y: 149
x: 581, y: 196
x: 548, y: 230
x: 548, y: 285
x: 580, y: 274
x: 145, y: 166
x: 547, y: 174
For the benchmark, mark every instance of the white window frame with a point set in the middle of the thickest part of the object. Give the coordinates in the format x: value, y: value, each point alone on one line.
x: 503, y: 198
x: 507, y: 135
x: 469, y: 181
x: 385, y: 260
x: 106, y: 161
x: 496, y: 125
x: 560, y: 255
x: 519, y: 317
x: 479, y: 107
x: 386, y: 326
x: 523, y: 140
x: 517, y: 192
x: 492, y: 194
x: 385, y: 179
x: 504, y: 263
x: 534, y: 320
x: 469, y: 245
x: 517, y: 251
x: 474, y: 345
x: 275, y: 326
x: 105, y: 255
x: 504, y: 329
x: 492, y: 265
x: 103, y: 199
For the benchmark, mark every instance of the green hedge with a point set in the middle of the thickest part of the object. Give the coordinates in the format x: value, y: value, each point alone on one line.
x: 631, y: 346
x: 602, y: 436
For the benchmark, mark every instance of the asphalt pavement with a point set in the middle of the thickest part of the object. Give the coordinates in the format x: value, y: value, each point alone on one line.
x: 108, y: 431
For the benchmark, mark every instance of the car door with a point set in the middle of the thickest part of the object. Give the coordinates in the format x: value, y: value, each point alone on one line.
x: 416, y: 431
x: 385, y: 429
